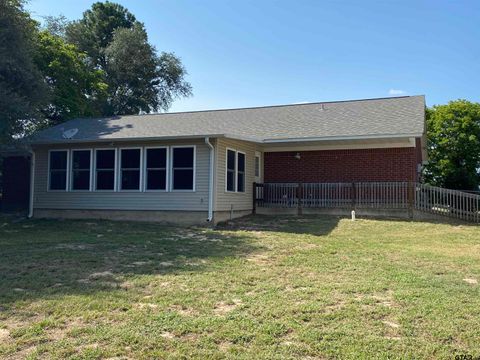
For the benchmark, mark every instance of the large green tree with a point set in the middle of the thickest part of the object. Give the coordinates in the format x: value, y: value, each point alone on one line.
x: 454, y: 145
x: 22, y: 88
x: 77, y: 90
x: 139, y: 80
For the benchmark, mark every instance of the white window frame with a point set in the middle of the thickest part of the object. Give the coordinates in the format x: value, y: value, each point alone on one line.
x: 140, y: 170
x: 67, y: 179
x: 115, y: 170
x: 172, y: 149
x: 90, y: 185
x: 145, y: 169
x: 244, y: 172
x: 235, y: 177
x: 234, y: 171
x: 258, y: 155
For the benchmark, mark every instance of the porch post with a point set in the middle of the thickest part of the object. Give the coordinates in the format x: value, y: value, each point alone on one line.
x: 254, y: 196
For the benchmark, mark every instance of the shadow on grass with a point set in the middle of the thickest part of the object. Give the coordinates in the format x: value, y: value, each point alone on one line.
x: 45, y: 258
x: 307, y: 224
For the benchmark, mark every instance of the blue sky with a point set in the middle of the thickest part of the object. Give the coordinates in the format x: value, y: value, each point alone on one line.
x: 251, y: 53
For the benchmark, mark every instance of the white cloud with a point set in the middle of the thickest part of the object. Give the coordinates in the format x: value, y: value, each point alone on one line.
x: 396, y: 92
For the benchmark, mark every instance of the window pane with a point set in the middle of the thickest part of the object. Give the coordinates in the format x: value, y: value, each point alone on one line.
x: 241, y: 162
x: 156, y: 158
x: 230, y: 180
x: 58, y: 160
x: 58, y: 180
x: 81, y: 159
x: 231, y: 160
x: 156, y: 179
x: 130, y: 179
x: 81, y: 180
x: 105, y: 180
x: 131, y: 159
x: 105, y: 159
x: 182, y: 179
x: 257, y: 166
x: 241, y: 182
x: 183, y: 157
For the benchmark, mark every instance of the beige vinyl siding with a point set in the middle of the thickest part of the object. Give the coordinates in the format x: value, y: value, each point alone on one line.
x: 225, y: 200
x: 123, y: 200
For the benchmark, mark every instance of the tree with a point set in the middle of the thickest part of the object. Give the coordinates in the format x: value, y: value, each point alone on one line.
x: 76, y: 88
x: 454, y: 145
x: 138, y: 79
x: 22, y: 89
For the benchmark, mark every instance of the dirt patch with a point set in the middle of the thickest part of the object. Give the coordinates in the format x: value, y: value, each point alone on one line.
x: 224, y: 346
x: 471, y: 281
x: 167, y: 335
x: 223, y: 308
x: 391, y: 324
x: 4, y: 335
x: 259, y: 259
x: 146, y: 306
x: 182, y: 310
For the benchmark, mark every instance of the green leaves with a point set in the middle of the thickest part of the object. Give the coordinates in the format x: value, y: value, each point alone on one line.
x: 76, y: 88
x: 139, y: 80
x: 100, y: 65
x: 22, y: 89
x: 454, y: 145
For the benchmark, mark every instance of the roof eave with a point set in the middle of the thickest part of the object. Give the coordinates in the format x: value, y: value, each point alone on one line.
x: 131, y: 139
x: 335, y: 138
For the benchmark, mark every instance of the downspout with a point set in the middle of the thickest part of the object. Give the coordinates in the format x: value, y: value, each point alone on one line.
x: 32, y: 183
x: 210, y: 179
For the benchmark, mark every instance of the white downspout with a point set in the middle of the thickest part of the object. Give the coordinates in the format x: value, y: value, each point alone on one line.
x: 32, y: 183
x: 210, y: 179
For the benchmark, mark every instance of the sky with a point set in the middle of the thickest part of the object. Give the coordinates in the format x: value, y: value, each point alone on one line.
x: 264, y: 52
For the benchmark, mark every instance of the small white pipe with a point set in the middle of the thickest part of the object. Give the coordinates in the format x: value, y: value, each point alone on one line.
x: 210, y: 180
x: 32, y: 183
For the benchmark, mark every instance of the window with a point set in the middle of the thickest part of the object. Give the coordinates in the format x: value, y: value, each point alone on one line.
x: 156, y: 169
x: 231, y: 167
x: 58, y: 164
x: 257, y: 166
x: 130, y: 160
x: 105, y: 169
x: 235, y: 175
x: 240, y: 172
x: 81, y: 169
x: 183, y: 168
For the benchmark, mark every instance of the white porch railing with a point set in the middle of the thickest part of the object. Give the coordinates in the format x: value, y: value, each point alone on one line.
x: 378, y: 195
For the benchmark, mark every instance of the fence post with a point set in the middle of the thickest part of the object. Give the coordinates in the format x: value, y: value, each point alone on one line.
x: 254, y: 195
x: 410, y: 198
x: 299, y: 198
x: 354, y: 196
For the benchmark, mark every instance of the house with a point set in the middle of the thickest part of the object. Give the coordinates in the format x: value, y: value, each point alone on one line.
x: 200, y: 166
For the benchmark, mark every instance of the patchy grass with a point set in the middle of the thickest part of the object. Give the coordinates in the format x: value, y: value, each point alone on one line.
x: 258, y: 288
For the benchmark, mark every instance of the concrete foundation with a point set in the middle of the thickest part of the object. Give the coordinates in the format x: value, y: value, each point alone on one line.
x: 365, y: 212
x: 172, y: 217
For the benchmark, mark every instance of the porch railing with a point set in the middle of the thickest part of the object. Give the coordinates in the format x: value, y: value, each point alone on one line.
x: 378, y: 195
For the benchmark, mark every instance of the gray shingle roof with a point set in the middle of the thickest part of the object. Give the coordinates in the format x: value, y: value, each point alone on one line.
x: 342, y: 119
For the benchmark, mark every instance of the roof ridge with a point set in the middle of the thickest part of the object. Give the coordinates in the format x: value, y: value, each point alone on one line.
x: 266, y: 106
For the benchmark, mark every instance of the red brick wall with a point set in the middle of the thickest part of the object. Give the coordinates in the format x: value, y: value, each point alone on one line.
x: 393, y: 164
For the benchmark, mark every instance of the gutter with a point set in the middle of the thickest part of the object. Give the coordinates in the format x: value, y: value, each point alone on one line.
x: 210, y: 179
x: 32, y: 183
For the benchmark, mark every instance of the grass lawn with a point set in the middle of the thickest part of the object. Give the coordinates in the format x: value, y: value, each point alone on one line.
x: 314, y: 288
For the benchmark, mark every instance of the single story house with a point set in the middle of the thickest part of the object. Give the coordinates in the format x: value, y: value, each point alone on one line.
x: 200, y: 166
